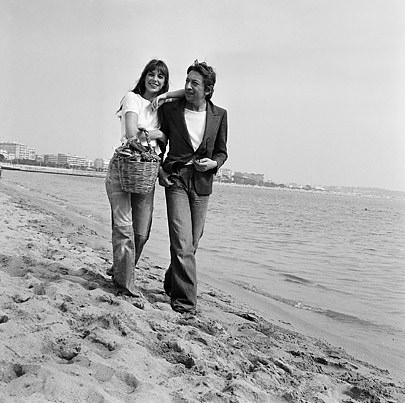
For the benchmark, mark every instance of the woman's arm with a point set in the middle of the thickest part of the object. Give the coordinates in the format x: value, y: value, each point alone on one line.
x: 173, y: 94
x: 131, y: 125
x: 162, y: 98
x: 132, y: 131
x: 155, y: 134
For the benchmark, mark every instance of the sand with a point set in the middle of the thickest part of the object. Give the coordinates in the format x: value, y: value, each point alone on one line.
x: 67, y: 336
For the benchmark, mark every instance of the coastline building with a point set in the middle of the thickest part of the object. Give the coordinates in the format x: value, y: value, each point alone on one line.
x: 89, y: 164
x: 3, y: 155
x: 73, y: 161
x: 101, y: 164
x: 32, y: 154
x: 245, y: 178
x: 224, y: 175
x: 18, y: 151
x: 50, y: 159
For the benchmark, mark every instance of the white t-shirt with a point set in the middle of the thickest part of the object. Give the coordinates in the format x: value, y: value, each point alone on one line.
x: 195, y: 122
x: 147, y: 118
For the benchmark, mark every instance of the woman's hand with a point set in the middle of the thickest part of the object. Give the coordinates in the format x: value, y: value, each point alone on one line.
x: 158, y: 101
x: 155, y: 134
x: 163, y: 138
x: 204, y: 164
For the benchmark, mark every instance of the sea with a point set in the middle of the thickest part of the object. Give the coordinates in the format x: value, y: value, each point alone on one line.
x: 327, y: 263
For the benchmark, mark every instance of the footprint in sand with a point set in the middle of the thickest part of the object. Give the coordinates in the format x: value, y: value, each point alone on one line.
x: 66, y: 348
x: 130, y: 380
x: 11, y: 371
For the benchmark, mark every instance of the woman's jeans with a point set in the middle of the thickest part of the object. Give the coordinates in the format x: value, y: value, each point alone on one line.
x: 186, y: 212
x: 131, y: 218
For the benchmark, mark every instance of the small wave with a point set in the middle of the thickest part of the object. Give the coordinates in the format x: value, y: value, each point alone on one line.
x: 349, y: 319
x: 296, y: 279
x: 338, y: 316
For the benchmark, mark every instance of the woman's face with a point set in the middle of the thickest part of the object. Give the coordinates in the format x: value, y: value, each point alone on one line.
x: 154, y: 81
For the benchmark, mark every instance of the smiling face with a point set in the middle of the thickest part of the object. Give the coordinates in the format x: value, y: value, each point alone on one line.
x: 194, y: 89
x: 154, y: 82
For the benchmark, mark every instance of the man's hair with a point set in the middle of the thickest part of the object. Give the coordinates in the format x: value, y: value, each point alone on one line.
x: 154, y: 64
x: 208, y: 74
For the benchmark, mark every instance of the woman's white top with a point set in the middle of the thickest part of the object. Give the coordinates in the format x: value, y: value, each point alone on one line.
x: 195, y: 122
x: 147, y: 118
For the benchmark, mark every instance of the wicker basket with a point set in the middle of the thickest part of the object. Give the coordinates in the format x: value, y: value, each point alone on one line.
x: 139, y: 176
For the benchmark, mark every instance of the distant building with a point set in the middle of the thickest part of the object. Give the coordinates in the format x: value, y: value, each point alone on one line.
x: 3, y: 155
x: 224, y: 175
x: 89, y: 164
x: 50, y: 159
x: 73, y: 161
x: 101, y: 164
x: 245, y: 178
x: 18, y: 151
x: 32, y: 154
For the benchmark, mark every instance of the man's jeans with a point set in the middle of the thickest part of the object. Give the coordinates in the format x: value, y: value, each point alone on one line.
x: 131, y: 219
x: 186, y: 212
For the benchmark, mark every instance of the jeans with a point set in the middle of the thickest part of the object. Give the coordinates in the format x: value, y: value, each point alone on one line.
x: 131, y: 219
x: 186, y: 212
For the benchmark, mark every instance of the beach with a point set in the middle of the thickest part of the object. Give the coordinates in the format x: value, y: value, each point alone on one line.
x: 68, y: 336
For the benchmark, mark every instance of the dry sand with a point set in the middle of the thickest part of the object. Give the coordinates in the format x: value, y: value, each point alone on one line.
x: 67, y: 336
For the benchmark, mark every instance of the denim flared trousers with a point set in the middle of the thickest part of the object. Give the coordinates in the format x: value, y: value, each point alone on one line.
x: 131, y: 219
x: 186, y: 212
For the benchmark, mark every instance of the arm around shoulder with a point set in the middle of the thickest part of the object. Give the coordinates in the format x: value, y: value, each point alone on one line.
x: 167, y: 97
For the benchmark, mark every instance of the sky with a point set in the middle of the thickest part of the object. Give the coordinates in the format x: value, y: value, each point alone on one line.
x: 314, y: 89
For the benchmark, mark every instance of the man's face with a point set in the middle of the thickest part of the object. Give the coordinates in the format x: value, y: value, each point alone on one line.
x: 194, y: 88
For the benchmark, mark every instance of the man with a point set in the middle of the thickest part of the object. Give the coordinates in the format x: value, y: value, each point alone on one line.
x: 197, y: 133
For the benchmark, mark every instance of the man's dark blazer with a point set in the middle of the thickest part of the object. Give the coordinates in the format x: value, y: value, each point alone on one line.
x: 181, y: 151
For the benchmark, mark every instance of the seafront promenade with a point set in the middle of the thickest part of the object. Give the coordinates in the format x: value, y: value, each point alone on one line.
x: 51, y: 170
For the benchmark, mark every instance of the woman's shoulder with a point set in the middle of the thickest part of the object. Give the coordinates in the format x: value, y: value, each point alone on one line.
x: 132, y: 100
x: 130, y: 95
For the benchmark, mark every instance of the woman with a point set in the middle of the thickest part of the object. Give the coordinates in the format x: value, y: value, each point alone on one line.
x: 131, y: 214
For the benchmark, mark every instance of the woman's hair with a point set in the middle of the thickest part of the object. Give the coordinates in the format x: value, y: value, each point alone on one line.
x: 154, y: 64
x: 208, y: 74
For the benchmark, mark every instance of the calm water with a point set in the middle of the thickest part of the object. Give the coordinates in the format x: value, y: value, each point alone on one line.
x: 336, y: 260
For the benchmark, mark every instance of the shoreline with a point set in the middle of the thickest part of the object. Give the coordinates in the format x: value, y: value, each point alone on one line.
x: 51, y: 170
x: 327, y: 189
x: 62, y: 309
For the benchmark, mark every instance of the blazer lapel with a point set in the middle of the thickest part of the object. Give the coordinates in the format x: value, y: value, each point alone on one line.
x: 211, y: 125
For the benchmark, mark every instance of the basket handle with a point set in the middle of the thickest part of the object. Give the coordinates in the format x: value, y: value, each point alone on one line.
x: 146, y: 133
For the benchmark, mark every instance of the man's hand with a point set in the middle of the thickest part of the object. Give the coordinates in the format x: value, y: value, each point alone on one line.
x: 204, y: 164
x: 164, y: 178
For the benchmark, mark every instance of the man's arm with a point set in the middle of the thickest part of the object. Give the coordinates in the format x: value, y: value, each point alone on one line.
x: 220, y: 154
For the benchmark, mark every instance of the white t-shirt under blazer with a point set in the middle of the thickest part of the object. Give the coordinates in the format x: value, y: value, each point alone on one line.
x: 195, y: 122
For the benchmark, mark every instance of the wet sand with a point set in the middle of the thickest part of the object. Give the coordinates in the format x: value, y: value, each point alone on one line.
x: 66, y: 335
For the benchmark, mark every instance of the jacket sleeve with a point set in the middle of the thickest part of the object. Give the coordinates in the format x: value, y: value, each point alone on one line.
x: 220, y: 153
x: 162, y: 144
